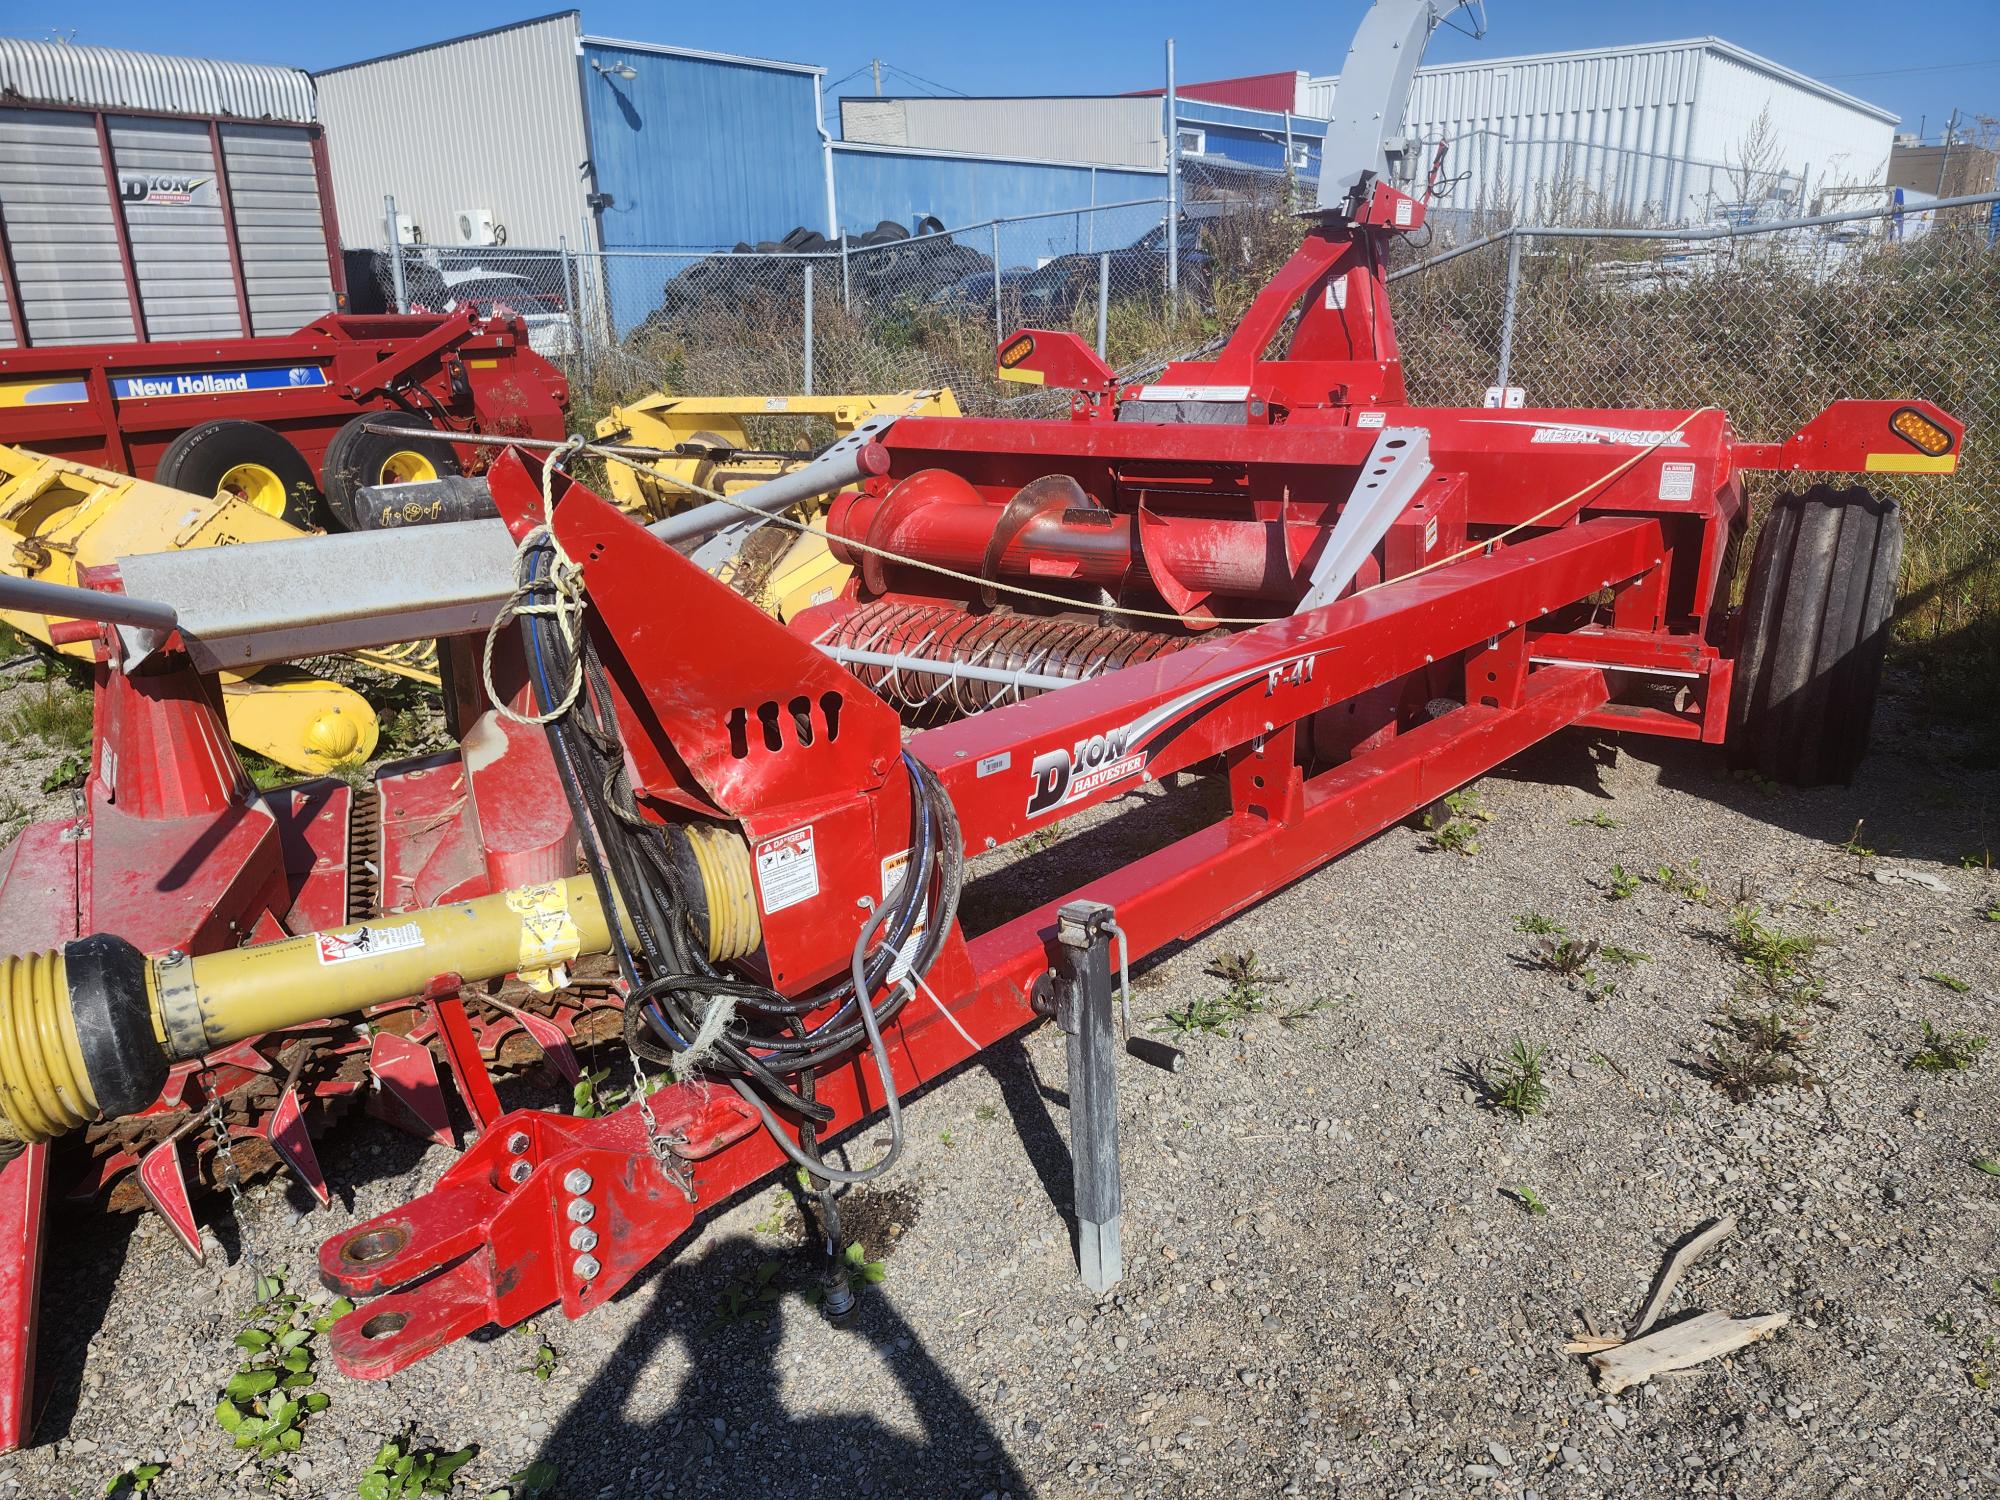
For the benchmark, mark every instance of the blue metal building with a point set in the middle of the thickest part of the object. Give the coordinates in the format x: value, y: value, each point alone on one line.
x: 701, y: 150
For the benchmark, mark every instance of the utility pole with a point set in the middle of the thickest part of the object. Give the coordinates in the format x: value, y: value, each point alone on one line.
x: 875, y: 67
x: 1173, y: 191
x: 1944, y: 163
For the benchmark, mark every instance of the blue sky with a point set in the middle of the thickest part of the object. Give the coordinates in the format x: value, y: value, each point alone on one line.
x: 1921, y: 61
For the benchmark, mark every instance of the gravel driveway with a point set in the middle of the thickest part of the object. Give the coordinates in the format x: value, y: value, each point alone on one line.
x: 1335, y: 1284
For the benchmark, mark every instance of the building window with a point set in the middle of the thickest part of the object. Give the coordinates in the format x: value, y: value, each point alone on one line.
x: 1192, y: 142
x: 1301, y: 156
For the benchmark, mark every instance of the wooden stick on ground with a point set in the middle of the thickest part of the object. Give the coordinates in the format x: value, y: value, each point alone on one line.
x: 1700, y: 1338
x: 1690, y: 1250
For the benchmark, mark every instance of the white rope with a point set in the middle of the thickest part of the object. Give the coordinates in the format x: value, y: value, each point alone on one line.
x: 565, y: 583
x: 714, y: 1021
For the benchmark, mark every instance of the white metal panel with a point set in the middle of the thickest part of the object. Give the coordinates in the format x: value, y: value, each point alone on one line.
x: 1633, y: 131
x: 1819, y: 140
x: 275, y: 193
x: 492, y: 121
x: 173, y: 215
x: 1110, y: 131
x: 112, y: 78
x: 56, y: 205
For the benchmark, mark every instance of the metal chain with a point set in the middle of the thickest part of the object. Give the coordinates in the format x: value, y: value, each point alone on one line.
x: 225, y: 1161
x: 658, y: 1142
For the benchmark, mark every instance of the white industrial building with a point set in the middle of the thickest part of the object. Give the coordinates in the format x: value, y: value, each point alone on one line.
x: 1680, y: 132
x: 1688, y: 132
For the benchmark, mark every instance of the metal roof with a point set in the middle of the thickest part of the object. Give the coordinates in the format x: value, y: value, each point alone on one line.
x: 1715, y: 44
x: 112, y: 78
x: 660, y: 49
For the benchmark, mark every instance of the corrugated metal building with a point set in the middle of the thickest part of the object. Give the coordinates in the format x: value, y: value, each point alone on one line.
x: 958, y: 189
x: 1125, y: 132
x: 1685, y: 131
x: 144, y: 196
x: 488, y: 125
x: 702, y: 149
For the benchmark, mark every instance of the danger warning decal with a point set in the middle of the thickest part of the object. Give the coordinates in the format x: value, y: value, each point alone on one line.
x: 367, y: 942
x: 1063, y: 776
x: 787, y: 870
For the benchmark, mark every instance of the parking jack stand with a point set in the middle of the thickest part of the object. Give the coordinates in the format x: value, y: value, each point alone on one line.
x: 1083, y: 1010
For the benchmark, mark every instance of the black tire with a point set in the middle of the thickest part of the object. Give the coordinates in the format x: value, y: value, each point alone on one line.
x: 1816, y: 629
x: 358, y: 457
x: 249, y: 459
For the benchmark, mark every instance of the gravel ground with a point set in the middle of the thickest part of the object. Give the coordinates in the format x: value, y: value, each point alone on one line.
x: 1331, y: 1286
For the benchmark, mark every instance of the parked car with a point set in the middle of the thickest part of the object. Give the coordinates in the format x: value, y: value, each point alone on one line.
x: 1053, y: 291
x: 551, y: 330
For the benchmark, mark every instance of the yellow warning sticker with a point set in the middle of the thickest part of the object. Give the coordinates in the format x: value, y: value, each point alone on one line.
x: 548, y: 933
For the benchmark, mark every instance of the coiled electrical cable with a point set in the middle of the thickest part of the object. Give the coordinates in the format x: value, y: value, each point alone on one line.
x: 765, y: 1049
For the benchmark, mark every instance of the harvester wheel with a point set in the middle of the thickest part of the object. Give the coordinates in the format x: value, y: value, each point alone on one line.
x: 1816, y: 626
x: 244, y: 459
x: 358, y: 457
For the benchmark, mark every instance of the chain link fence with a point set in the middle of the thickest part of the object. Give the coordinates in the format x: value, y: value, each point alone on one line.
x: 1768, y: 321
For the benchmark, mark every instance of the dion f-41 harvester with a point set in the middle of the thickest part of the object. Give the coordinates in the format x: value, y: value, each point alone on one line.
x: 748, y: 839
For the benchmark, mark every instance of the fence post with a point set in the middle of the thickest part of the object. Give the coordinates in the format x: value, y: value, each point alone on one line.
x: 999, y: 333
x: 846, y: 277
x: 809, y: 328
x: 1173, y: 246
x: 1509, y: 308
x: 1103, y: 298
x: 576, y: 350
x: 395, y: 251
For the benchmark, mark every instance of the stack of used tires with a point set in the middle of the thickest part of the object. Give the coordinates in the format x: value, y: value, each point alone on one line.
x: 887, y: 261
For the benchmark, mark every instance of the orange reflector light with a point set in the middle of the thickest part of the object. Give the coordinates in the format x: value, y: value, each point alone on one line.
x: 1920, y: 432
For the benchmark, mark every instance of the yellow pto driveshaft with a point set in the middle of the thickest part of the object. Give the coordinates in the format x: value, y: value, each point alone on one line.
x: 93, y: 1027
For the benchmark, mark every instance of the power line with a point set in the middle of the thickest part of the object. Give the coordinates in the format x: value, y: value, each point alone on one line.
x: 942, y: 88
x: 1991, y: 62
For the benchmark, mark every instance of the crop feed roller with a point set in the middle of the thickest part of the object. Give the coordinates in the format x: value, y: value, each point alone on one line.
x: 1265, y: 568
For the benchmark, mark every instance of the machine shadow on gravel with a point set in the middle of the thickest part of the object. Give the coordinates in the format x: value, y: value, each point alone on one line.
x: 765, y: 1445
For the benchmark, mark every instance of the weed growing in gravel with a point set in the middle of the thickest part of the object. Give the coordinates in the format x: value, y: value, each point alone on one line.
x: 542, y: 1363
x: 1950, y: 981
x: 1859, y: 851
x: 1537, y: 925
x: 1987, y: 1164
x: 986, y: 1114
x: 594, y: 1095
x: 1758, y: 1052
x: 1625, y: 958
x: 1992, y: 913
x: 134, y: 1479
x: 1318, y: 1006
x: 1515, y: 1083
x: 1623, y: 885
x: 265, y: 1405
x: 1036, y: 842
x: 1979, y: 1369
x: 750, y: 1298
x: 67, y: 773
x: 1686, y: 883
x: 402, y: 1469
x: 1598, y: 819
x: 1780, y: 960
x: 1248, y: 993
x: 1531, y: 1200
x: 1468, y: 804
x: 1455, y: 836
x: 58, y: 715
x: 1983, y: 860
x: 1947, y: 1051
x: 536, y: 1482
x: 1567, y: 956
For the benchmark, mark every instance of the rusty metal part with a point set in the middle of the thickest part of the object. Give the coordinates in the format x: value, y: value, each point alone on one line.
x: 1065, y: 646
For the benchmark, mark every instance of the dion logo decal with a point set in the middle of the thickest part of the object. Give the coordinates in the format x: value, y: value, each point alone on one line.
x: 1096, y: 761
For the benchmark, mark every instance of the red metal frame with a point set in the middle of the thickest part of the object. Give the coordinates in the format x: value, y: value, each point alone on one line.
x: 1553, y: 569
x: 461, y: 374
